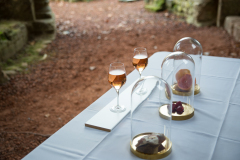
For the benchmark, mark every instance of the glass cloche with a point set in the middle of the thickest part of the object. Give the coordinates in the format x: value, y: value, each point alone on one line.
x: 151, y: 134
x: 191, y: 46
x: 178, y: 69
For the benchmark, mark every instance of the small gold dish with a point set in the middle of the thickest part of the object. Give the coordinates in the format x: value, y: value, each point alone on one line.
x: 187, y: 114
x: 177, y: 91
x: 196, y: 89
x: 164, y: 153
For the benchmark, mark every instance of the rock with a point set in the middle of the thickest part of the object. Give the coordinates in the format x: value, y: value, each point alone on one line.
x: 76, y: 102
x: 13, y: 37
x: 138, y: 21
x: 39, y: 50
x: 155, y: 47
x: 99, y: 37
x: 152, y: 37
x: 206, y: 53
x: 9, y: 72
x: 44, y: 25
x: 3, y: 77
x: 60, y: 28
x: 166, y: 15
x: 66, y: 32
x: 47, y: 41
x: 106, y: 32
x: 24, y: 64
x: 92, y: 68
x: 109, y: 15
x: 66, y: 22
x: 47, y: 115
x: 84, y: 32
x: 120, y: 25
x: 236, y: 31
x: 15, y: 68
x: 233, y: 54
x: 229, y: 23
x: 112, y: 27
x: 128, y: 29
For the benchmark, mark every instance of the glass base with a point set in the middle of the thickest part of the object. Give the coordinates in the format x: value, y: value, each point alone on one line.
x: 117, y: 109
x: 141, y: 91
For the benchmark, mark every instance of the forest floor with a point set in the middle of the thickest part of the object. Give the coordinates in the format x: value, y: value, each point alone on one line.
x: 89, y: 37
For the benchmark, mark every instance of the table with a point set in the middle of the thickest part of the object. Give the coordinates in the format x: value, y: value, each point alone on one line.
x: 212, y: 134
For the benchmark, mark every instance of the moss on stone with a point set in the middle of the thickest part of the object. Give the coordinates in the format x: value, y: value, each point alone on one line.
x: 155, y: 5
x: 30, y: 54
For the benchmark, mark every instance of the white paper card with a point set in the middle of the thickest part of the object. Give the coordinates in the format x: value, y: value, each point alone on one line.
x: 106, y: 120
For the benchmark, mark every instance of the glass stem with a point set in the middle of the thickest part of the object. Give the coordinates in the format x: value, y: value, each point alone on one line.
x: 118, y: 107
x: 141, y: 88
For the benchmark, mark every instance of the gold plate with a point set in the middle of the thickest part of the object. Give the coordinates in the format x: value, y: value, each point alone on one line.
x: 196, y: 89
x: 184, y: 93
x: 187, y: 114
x: 164, y: 153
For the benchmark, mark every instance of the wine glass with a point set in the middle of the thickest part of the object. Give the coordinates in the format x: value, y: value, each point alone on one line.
x: 117, y: 78
x: 140, y: 62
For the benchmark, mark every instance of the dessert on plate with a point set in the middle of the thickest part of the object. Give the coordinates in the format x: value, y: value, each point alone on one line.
x: 184, y: 80
x: 151, y: 144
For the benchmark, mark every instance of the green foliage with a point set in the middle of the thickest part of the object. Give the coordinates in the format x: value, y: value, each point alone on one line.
x: 9, y: 62
x: 155, y: 5
x: 73, y: 0
x: 2, y: 36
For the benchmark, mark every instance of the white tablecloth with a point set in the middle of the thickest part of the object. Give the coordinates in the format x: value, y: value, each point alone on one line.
x: 212, y: 134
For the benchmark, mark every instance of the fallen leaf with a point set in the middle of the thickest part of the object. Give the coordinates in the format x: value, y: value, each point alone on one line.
x: 44, y: 57
x: 92, y: 68
x: 47, y: 115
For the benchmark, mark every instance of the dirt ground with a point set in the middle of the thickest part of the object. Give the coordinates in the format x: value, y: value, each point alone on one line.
x: 89, y: 37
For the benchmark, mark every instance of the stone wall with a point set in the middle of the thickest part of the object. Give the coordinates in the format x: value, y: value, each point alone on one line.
x: 204, y: 12
x: 229, y: 8
x: 197, y: 12
x: 13, y: 37
x: 36, y: 13
x: 35, y: 18
x: 16, y: 9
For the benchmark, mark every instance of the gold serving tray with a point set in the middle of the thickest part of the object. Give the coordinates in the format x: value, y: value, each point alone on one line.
x: 164, y: 153
x: 187, y: 114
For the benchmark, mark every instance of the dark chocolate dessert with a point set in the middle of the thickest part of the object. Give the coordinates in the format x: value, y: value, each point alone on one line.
x: 151, y: 144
